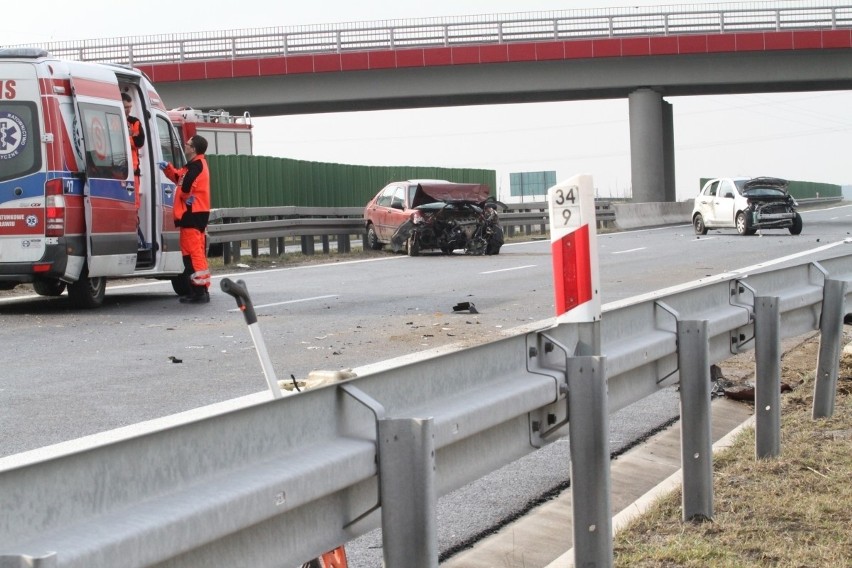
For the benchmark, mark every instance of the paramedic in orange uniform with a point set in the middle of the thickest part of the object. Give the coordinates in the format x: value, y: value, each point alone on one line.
x: 191, y: 213
x: 137, y: 140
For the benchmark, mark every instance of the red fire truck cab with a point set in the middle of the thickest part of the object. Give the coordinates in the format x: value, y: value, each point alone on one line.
x: 225, y: 133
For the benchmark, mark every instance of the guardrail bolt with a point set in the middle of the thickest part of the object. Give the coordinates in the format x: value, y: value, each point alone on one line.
x: 548, y: 347
x: 533, y: 352
x: 536, y: 426
x: 551, y: 419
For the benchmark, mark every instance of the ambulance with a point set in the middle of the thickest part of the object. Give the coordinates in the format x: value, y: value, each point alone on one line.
x: 68, y: 204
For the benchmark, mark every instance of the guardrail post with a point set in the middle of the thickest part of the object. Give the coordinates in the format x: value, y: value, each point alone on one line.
x: 767, y: 387
x: 828, y: 360
x: 590, y: 474
x: 343, y: 244
x: 407, y: 492
x: 235, y: 250
x: 696, y: 445
x: 326, y: 249
x: 308, y: 245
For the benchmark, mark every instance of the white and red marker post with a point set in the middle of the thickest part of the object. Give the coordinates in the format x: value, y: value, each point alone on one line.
x: 574, y: 246
x: 573, y: 241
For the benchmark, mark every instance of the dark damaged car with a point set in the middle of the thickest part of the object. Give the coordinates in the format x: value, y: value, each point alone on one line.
x: 434, y: 215
x: 746, y: 205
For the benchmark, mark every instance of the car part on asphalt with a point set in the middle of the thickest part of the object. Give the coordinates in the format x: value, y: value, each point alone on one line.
x: 465, y: 306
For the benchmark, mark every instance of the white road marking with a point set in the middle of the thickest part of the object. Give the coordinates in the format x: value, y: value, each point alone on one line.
x: 291, y: 302
x: 508, y: 269
x: 718, y: 277
x: 629, y: 250
x: 702, y: 239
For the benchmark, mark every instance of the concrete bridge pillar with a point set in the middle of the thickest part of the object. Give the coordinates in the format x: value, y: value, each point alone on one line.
x: 651, y: 147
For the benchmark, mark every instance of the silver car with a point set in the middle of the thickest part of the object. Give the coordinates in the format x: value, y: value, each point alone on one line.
x: 746, y: 205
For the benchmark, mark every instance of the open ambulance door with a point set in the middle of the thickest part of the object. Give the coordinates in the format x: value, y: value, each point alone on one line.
x: 108, y: 187
x: 171, y: 150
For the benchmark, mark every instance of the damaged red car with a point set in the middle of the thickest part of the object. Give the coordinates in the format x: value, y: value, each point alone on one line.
x: 434, y: 215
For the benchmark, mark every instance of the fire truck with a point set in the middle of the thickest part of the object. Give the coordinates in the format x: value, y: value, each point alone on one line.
x: 226, y: 133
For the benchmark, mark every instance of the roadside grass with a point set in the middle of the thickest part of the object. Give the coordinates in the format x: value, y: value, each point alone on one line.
x: 790, y: 511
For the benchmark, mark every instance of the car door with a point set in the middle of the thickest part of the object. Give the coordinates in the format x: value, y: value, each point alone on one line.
x: 379, y: 211
x: 398, y: 212
x: 704, y: 202
x: 723, y: 205
x: 389, y: 211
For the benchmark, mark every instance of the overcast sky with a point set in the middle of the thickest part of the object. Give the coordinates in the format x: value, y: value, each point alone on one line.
x: 802, y: 136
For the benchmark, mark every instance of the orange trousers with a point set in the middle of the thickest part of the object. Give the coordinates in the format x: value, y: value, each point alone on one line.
x: 192, y: 245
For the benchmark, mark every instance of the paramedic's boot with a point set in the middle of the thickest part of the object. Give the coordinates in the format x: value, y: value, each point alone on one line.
x: 196, y: 298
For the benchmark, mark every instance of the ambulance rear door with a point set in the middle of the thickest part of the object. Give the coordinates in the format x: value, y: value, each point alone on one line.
x: 108, y: 192
x: 22, y: 177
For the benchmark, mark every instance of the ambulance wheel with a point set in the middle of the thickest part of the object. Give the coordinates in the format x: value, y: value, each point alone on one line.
x: 87, y: 292
x: 181, y: 285
x: 48, y: 286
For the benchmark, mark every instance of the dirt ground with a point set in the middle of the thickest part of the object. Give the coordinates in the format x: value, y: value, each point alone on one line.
x: 798, y: 360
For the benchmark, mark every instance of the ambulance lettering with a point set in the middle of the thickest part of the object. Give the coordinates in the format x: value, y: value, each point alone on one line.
x: 11, y: 220
x: 7, y: 89
x: 13, y: 135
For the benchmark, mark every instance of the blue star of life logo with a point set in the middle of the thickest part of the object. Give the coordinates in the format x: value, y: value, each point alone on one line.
x: 13, y: 135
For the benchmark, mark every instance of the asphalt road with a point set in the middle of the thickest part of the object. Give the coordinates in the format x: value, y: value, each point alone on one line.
x: 68, y: 373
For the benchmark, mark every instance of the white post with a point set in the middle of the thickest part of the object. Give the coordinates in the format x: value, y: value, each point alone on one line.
x: 573, y: 238
x: 574, y: 245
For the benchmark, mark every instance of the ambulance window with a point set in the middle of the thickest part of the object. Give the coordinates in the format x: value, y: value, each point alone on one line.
x: 20, y: 140
x: 106, y: 141
x: 170, y: 143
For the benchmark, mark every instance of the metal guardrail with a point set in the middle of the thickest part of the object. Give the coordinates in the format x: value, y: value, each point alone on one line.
x: 263, y: 482
x: 463, y: 30
x: 275, y: 223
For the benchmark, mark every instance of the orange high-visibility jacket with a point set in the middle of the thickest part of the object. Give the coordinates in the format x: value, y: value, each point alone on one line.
x: 193, y: 182
x: 137, y: 140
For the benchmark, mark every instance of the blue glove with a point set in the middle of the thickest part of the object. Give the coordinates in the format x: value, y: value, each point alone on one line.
x: 162, y: 165
x: 190, y: 200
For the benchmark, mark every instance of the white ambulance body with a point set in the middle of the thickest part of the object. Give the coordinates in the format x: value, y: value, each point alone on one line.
x: 68, y: 214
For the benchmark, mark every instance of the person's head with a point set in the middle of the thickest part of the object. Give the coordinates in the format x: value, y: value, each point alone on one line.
x: 128, y: 103
x: 195, y: 146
